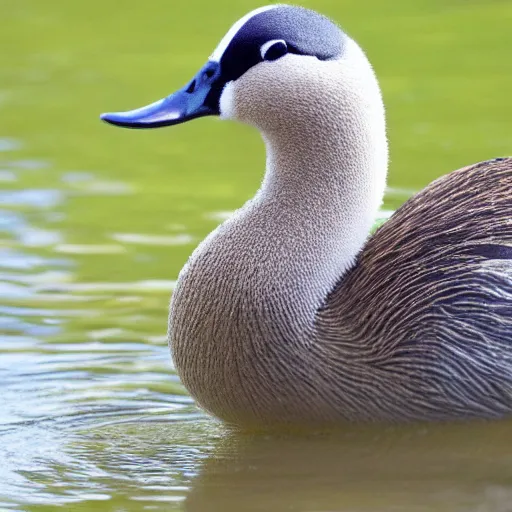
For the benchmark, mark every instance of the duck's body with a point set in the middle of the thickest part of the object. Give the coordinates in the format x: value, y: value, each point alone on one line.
x: 419, y: 328
x: 285, y: 313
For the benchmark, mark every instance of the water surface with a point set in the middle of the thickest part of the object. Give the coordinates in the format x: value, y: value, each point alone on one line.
x: 95, y: 224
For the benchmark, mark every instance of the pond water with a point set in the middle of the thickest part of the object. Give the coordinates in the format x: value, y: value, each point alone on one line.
x: 96, y: 222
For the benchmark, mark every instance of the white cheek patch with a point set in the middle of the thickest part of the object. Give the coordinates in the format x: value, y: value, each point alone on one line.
x: 232, y: 32
x: 227, y: 102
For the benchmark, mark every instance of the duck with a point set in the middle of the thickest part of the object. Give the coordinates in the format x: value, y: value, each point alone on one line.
x: 294, y: 311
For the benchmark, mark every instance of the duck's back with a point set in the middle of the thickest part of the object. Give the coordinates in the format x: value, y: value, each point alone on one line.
x: 429, y: 302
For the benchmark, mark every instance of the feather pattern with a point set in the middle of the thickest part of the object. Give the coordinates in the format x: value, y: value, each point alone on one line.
x: 429, y: 301
x: 288, y: 313
x: 420, y: 328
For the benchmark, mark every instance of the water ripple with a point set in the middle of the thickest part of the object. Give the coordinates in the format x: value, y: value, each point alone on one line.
x: 75, y: 353
x: 9, y: 144
x: 35, y: 198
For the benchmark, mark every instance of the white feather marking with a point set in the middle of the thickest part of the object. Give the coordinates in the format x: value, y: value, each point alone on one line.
x: 227, y: 102
x: 224, y: 43
x: 265, y: 46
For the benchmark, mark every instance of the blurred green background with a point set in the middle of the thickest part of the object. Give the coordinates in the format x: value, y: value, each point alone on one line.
x: 96, y: 223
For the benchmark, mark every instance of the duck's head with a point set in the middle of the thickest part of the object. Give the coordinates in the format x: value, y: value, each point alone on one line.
x: 278, y: 66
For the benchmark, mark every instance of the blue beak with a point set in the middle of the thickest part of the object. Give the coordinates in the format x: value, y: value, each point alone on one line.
x: 199, y: 98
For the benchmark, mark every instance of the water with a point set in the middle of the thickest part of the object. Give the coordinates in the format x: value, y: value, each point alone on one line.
x: 95, y: 224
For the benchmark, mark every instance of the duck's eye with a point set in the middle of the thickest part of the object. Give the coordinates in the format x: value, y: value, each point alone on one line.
x: 273, y: 50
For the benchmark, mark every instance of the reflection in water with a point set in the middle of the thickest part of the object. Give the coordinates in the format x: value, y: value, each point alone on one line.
x: 36, y: 198
x: 200, y: 466
x: 136, y: 238
x: 370, y: 469
x: 90, y: 248
x: 9, y: 144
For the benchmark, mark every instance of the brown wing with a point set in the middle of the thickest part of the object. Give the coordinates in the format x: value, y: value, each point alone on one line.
x: 429, y: 301
x: 442, y: 261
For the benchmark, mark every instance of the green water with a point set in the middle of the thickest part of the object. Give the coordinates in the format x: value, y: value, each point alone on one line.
x: 96, y: 222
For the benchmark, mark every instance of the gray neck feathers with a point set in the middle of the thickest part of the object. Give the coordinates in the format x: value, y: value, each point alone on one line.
x: 316, y: 205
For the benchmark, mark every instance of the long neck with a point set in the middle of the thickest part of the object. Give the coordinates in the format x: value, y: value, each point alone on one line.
x: 311, y: 217
x: 253, y: 287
